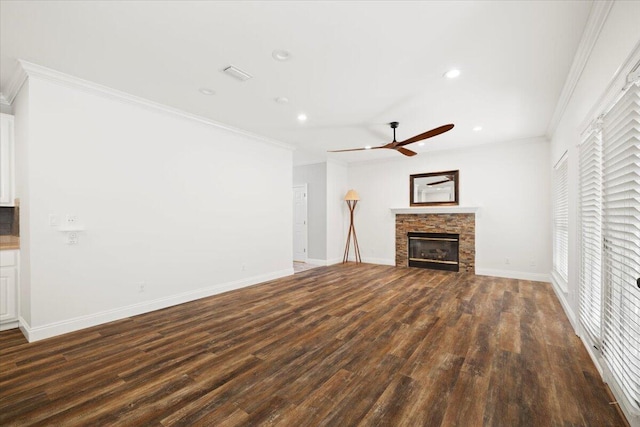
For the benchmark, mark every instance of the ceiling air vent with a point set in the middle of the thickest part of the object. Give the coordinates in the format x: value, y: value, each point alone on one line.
x: 237, y: 73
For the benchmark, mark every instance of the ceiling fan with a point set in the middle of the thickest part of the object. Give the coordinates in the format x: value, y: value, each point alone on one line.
x: 399, y: 146
x: 447, y: 179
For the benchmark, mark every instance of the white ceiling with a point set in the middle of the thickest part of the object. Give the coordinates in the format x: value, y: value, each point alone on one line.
x: 355, y: 66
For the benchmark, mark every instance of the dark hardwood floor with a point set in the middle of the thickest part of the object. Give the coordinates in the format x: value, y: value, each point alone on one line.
x: 338, y: 346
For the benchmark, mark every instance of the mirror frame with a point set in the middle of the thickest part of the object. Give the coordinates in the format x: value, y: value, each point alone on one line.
x: 456, y: 181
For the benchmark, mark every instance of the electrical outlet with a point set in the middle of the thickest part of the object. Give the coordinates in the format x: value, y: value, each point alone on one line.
x: 142, y: 287
x: 72, y: 220
x: 72, y: 238
x: 244, y: 267
x: 533, y: 262
x: 53, y: 220
x: 507, y: 261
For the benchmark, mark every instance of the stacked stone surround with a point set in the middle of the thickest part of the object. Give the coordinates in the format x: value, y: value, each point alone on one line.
x: 463, y: 224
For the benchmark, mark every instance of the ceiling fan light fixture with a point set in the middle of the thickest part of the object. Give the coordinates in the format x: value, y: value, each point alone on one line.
x: 302, y: 117
x: 452, y: 74
x: 282, y: 100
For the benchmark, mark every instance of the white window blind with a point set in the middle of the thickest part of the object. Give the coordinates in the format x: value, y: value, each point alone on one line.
x: 590, y: 223
x: 621, y: 233
x: 561, y: 220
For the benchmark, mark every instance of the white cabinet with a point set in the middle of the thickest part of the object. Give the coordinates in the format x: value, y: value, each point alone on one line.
x: 7, y: 172
x: 9, y: 265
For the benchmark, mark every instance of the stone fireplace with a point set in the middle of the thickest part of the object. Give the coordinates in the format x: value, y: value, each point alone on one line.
x: 463, y: 224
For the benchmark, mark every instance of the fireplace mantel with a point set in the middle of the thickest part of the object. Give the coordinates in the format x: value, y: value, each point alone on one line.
x: 436, y: 210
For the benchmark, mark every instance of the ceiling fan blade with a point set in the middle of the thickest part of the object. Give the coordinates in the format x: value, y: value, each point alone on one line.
x: 405, y: 151
x: 353, y: 149
x: 427, y: 134
x: 440, y: 182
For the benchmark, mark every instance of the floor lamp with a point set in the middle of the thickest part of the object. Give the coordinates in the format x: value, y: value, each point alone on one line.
x: 352, y: 199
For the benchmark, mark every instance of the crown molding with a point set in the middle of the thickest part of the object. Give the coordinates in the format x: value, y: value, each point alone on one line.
x: 310, y: 163
x: 595, y: 22
x: 15, y: 84
x: 31, y: 70
x: 337, y: 162
x: 626, y: 75
x: 319, y: 162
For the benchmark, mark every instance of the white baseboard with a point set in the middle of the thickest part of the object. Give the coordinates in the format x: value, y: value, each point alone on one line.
x: 9, y: 325
x: 562, y: 297
x: 334, y: 261
x: 509, y: 274
x: 632, y: 414
x: 594, y: 357
x: 57, y: 328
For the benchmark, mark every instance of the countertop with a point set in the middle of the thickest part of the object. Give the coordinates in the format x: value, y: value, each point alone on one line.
x: 9, y: 242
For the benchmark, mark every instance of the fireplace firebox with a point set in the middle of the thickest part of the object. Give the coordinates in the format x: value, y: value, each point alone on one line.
x: 437, y: 251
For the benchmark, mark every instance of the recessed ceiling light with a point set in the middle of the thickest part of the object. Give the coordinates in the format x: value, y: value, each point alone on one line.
x: 206, y: 91
x: 477, y: 128
x: 282, y: 100
x: 452, y: 74
x: 281, y: 55
x: 421, y: 144
x: 302, y: 117
x: 367, y: 147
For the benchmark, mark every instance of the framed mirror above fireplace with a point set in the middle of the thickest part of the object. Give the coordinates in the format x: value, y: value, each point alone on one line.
x: 434, y: 188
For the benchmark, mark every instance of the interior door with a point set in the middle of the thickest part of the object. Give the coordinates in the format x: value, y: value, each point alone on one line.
x: 300, y: 223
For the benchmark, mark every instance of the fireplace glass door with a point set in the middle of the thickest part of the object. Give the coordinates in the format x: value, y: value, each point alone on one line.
x: 437, y: 251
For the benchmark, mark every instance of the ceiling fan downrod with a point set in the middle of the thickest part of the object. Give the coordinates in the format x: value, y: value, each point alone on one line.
x: 394, y: 125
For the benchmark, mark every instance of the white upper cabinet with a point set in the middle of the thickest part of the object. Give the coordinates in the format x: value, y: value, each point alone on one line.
x: 7, y: 185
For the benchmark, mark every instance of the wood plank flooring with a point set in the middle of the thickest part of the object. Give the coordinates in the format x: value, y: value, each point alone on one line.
x: 344, y: 345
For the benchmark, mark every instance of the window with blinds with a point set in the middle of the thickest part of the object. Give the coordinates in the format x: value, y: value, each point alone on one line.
x: 621, y: 236
x: 561, y: 221
x: 590, y: 235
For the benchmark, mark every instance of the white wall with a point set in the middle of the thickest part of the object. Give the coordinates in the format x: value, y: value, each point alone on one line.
x: 337, y: 187
x: 508, y: 181
x: 619, y: 35
x: 315, y: 176
x: 21, y: 128
x: 188, y: 208
x: 6, y: 109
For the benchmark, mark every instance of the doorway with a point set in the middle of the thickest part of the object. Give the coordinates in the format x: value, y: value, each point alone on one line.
x: 300, y: 223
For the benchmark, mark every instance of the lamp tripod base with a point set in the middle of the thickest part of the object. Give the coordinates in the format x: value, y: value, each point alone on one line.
x: 352, y: 232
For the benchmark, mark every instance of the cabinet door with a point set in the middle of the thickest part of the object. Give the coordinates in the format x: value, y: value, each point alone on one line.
x: 6, y: 160
x: 8, y: 300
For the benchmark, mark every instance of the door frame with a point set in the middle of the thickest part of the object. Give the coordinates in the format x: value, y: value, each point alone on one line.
x: 306, y: 221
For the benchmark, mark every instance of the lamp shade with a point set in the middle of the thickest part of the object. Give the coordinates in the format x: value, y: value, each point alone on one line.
x: 352, y: 195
